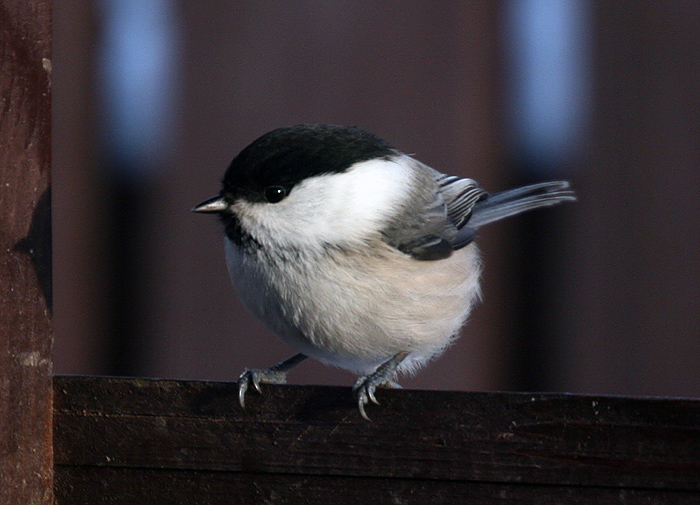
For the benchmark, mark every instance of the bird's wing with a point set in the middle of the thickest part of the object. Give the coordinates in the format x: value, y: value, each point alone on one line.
x: 437, y: 227
x: 460, y: 196
x: 455, y: 207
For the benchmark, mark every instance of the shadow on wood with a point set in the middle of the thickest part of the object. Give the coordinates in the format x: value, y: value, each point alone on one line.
x: 118, y: 440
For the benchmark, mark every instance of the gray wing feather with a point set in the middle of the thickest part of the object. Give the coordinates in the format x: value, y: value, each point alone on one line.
x: 460, y: 195
x: 454, y: 207
x: 435, y: 228
x: 514, y: 201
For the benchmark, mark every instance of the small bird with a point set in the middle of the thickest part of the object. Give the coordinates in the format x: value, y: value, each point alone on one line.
x: 354, y: 253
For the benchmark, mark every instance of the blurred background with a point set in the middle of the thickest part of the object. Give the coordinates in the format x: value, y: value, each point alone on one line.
x: 153, y: 98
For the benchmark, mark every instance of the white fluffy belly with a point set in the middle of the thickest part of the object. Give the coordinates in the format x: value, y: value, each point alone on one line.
x: 356, y: 311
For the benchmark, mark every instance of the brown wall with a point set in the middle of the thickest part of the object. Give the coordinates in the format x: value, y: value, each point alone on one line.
x: 633, y: 297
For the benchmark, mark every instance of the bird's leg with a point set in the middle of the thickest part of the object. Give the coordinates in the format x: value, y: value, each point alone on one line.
x: 274, y: 375
x: 383, y: 376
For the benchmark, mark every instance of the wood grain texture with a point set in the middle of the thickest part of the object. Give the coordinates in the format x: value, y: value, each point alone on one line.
x: 25, y: 252
x: 122, y: 435
x: 128, y: 486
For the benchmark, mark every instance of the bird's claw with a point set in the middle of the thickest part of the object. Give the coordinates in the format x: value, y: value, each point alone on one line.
x: 364, y: 393
x: 364, y: 390
x: 383, y: 376
x: 273, y: 375
x: 257, y: 377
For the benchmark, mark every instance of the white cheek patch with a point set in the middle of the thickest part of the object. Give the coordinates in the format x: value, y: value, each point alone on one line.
x: 338, y: 209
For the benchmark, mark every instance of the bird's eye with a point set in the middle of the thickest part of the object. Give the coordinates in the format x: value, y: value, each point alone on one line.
x: 274, y: 194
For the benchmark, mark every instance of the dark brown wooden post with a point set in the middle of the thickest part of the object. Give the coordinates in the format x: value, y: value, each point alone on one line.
x: 26, y: 456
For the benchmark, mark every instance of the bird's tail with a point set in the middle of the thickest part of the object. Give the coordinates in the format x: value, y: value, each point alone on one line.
x: 514, y: 201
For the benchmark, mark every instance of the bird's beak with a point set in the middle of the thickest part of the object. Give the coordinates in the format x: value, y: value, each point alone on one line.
x: 212, y: 205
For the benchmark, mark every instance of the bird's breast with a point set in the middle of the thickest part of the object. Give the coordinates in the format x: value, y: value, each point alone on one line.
x: 357, y: 308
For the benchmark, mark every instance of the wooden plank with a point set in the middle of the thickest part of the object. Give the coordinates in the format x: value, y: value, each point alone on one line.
x: 128, y: 486
x: 109, y: 426
x: 25, y: 253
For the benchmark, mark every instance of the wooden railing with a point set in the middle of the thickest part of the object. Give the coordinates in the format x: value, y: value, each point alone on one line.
x: 119, y: 441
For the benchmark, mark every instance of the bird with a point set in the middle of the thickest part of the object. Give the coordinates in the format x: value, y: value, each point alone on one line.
x: 355, y: 253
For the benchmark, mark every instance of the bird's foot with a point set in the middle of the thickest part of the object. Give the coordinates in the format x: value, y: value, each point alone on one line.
x: 273, y: 375
x: 383, y: 376
x: 257, y: 377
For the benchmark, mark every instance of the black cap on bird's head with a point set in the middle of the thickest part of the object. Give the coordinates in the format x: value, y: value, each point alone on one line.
x: 285, y: 156
x: 268, y: 168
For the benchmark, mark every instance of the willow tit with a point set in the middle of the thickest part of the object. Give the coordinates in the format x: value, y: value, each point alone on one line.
x: 353, y: 252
